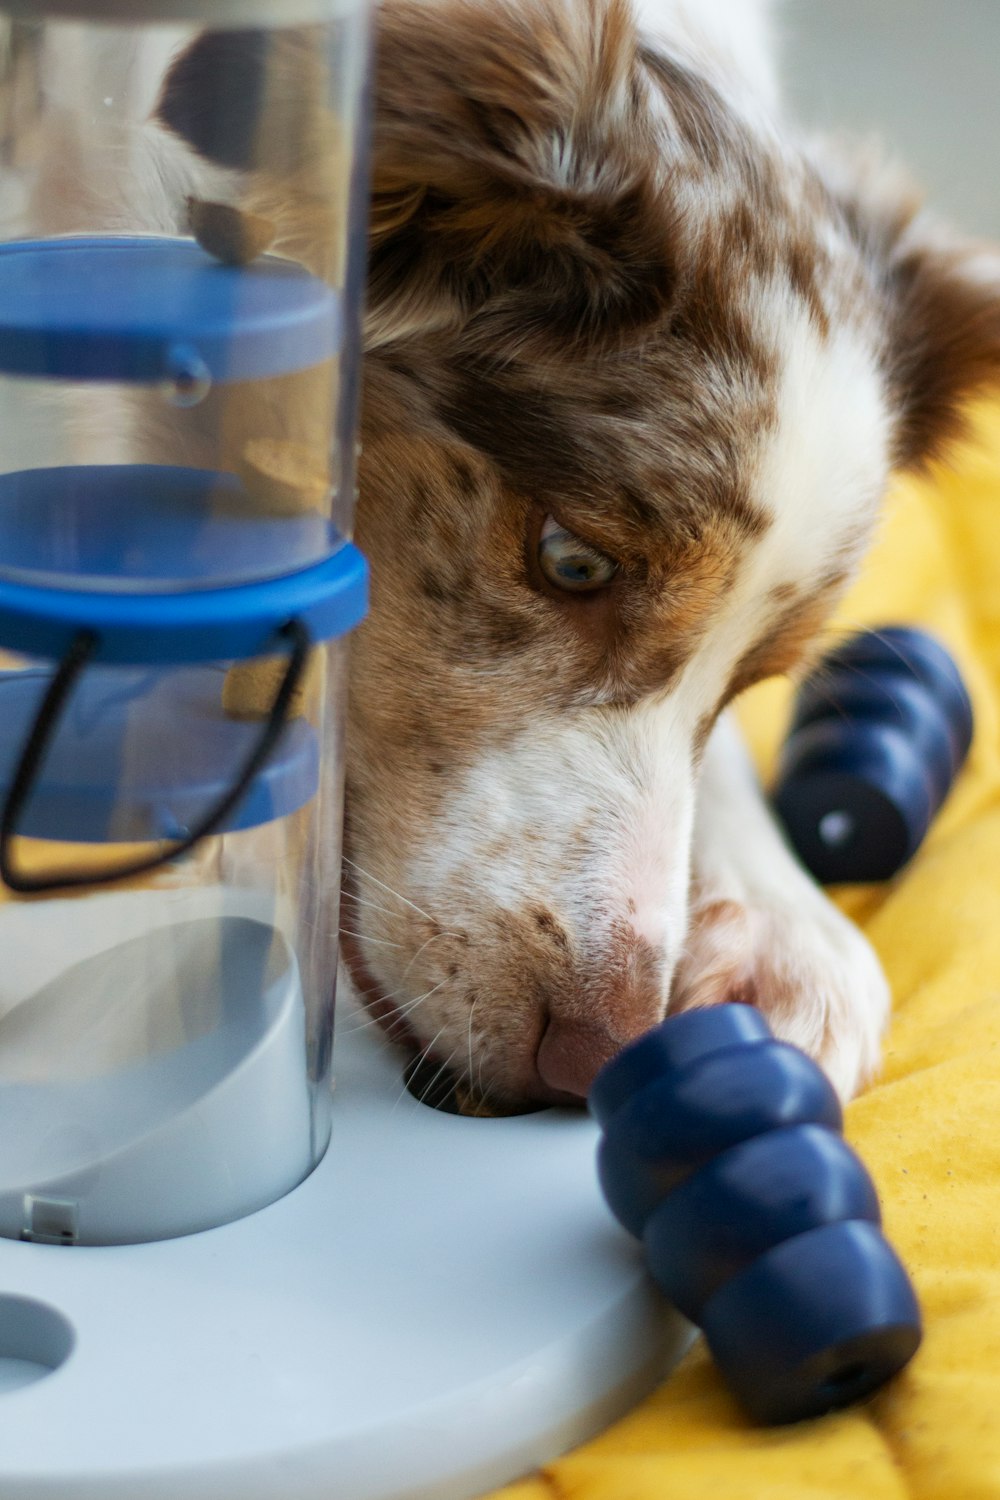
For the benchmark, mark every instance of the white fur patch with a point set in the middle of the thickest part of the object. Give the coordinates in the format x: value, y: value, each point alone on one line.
x: 824, y: 470
x: 590, y: 816
x: 731, y: 36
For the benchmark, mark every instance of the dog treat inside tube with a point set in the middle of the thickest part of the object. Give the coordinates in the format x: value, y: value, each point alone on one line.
x: 230, y: 235
x: 250, y: 688
x: 284, y: 477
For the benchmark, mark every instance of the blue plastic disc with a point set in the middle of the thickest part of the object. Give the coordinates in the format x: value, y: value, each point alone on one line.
x: 141, y: 755
x: 123, y: 527
x: 147, y: 309
x: 201, y: 625
x: 164, y: 565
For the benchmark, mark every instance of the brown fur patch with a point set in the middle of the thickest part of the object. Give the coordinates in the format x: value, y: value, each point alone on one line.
x: 787, y: 638
x: 944, y: 347
x: 471, y: 211
x: 939, y: 311
x: 803, y: 263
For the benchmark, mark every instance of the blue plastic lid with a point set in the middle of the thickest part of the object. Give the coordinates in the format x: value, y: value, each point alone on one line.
x: 181, y: 750
x: 147, y: 309
x: 203, y: 625
x: 153, y: 559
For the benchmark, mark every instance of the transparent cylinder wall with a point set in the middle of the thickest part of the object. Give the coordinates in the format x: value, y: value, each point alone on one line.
x: 238, y: 149
x: 188, y: 210
x: 165, y: 1042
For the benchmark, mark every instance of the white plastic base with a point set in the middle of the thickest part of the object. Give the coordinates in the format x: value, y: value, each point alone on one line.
x: 441, y: 1306
x: 176, y: 1058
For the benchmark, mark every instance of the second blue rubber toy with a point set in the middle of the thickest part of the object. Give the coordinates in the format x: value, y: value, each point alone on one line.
x: 879, y: 733
x: 722, y: 1151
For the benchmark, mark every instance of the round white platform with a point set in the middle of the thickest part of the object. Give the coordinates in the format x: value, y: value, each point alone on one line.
x: 442, y: 1306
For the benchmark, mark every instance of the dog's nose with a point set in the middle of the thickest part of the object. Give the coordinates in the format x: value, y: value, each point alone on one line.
x: 572, y: 1053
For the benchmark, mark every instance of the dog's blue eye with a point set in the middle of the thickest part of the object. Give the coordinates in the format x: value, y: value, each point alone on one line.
x: 570, y: 563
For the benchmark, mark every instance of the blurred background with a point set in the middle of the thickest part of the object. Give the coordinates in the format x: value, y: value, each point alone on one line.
x: 924, y: 75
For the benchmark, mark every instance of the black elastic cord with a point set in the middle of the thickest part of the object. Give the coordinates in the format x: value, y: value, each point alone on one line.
x: 46, y: 721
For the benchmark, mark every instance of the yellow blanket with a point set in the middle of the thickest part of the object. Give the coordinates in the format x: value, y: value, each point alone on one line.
x: 929, y: 1130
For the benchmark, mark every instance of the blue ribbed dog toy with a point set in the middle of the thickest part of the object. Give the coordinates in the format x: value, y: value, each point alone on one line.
x: 722, y: 1152
x: 879, y: 733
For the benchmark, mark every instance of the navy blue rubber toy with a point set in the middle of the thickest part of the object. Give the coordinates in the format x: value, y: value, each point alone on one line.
x: 879, y: 733
x: 722, y: 1152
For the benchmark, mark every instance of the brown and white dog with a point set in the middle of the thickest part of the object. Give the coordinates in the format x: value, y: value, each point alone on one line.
x: 639, y: 363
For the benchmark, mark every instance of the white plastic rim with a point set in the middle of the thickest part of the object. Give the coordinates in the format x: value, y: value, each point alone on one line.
x: 442, y: 1306
x: 218, y: 13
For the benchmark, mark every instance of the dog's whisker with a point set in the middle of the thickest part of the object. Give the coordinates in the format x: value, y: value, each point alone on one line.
x: 411, y: 1005
x: 388, y: 889
x: 383, y: 942
x: 367, y: 904
x: 425, y: 996
x: 432, y: 939
x: 421, y: 1057
x: 401, y: 1010
x: 472, y: 1012
x: 442, y: 1069
x: 479, y: 1076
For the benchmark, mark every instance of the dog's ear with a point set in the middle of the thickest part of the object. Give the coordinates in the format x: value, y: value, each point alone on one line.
x: 940, y: 299
x: 944, y: 349
x: 514, y: 174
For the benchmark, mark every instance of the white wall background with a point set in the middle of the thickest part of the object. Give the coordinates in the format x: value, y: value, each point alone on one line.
x: 922, y: 74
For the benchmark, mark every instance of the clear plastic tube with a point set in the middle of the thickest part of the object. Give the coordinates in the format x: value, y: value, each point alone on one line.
x: 181, y: 210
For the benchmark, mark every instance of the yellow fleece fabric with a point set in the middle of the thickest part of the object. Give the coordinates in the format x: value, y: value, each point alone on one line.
x: 928, y: 1129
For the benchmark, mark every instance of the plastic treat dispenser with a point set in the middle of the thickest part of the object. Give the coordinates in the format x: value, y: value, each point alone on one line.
x: 199, y: 1296
x: 175, y: 580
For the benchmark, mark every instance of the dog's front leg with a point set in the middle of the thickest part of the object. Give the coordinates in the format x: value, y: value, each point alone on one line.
x: 762, y: 931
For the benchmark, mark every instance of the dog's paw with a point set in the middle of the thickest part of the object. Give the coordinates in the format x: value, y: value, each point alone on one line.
x: 808, y: 969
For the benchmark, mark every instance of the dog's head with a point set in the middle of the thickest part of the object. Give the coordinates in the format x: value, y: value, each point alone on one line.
x: 638, y: 369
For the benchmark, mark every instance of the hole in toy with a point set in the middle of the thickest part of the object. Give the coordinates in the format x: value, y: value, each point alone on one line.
x: 35, y: 1340
x: 836, y: 829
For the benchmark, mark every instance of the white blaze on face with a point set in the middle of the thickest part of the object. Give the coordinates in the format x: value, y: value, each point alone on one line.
x: 819, y: 477
x: 825, y: 468
x: 590, y: 816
